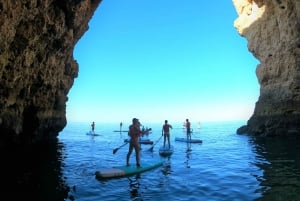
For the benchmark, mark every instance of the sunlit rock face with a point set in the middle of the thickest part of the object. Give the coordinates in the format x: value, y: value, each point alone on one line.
x: 272, y: 28
x: 37, y: 67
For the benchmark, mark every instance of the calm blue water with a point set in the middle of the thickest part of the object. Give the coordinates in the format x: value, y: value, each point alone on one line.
x: 226, y: 166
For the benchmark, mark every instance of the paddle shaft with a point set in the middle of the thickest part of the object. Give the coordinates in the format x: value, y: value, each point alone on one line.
x: 151, y: 148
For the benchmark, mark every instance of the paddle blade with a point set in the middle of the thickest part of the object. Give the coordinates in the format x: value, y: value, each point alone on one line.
x: 151, y: 148
x: 115, y: 150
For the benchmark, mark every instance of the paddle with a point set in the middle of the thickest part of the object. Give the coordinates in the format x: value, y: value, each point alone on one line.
x: 151, y: 148
x: 116, y: 149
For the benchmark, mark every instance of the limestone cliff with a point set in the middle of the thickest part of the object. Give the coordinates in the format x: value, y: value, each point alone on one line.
x: 272, y: 28
x: 37, y: 67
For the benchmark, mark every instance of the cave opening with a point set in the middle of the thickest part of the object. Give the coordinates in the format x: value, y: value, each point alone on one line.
x: 163, y: 60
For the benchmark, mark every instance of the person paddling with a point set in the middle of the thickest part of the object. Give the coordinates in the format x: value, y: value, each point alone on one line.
x: 166, y: 132
x: 93, y: 127
x: 188, y: 129
x: 135, y: 132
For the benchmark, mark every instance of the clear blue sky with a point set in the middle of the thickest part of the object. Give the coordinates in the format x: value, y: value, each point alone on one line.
x: 163, y: 59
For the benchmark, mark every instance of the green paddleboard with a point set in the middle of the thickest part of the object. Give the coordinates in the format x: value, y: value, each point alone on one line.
x: 123, y: 171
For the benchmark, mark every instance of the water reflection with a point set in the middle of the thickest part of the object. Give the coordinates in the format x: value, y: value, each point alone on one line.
x: 167, y: 168
x: 279, y: 160
x: 134, y: 187
x: 33, y: 173
x: 188, y: 154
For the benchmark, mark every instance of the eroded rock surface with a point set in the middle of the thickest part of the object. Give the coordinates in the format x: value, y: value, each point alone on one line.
x: 272, y: 28
x: 37, y: 67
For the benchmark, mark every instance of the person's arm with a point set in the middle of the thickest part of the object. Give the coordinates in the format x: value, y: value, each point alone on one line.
x: 145, y: 131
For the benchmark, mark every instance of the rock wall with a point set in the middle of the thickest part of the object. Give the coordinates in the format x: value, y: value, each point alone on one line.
x: 272, y: 28
x: 37, y: 67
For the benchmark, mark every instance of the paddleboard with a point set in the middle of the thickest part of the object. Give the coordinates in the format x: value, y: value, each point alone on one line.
x: 92, y: 134
x: 181, y: 139
x: 166, y: 151
x: 141, y: 141
x: 124, y: 171
x: 120, y: 131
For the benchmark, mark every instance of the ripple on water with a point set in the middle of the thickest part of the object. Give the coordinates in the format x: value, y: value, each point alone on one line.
x: 225, y: 166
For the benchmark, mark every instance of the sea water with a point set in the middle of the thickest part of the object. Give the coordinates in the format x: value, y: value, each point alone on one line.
x: 226, y: 166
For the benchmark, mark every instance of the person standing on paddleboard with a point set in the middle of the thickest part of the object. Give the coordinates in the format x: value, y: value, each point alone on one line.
x: 135, y: 132
x: 166, y: 132
x: 93, y: 127
x: 188, y: 129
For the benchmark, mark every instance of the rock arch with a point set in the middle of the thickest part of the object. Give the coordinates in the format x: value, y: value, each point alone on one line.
x: 37, y: 67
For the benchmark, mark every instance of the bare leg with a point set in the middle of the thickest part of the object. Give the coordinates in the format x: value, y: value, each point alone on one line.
x: 129, y: 153
x: 137, y: 155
